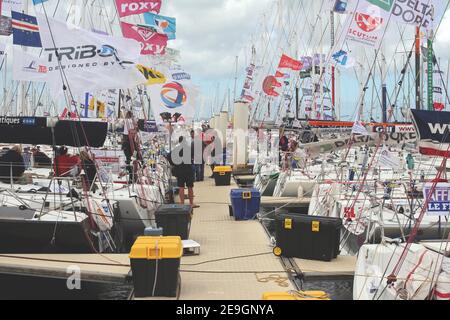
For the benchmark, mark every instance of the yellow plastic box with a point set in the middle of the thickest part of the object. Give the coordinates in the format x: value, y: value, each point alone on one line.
x: 301, y: 295
x: 152, y: 248
x: 155, y: 263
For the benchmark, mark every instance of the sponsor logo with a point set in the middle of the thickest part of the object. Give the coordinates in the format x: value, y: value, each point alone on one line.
x: 173, y: 95
x: 139, y: 6
x: 438, y: 128
x: 152, y: 76
x: 393, y: 129
x: 162, y: 23
x: 368, y: 23
x: 181, y: 76
x: 17, y: 121
x: 84, y: 52
x: 145, y: 32
x: 33, y: 67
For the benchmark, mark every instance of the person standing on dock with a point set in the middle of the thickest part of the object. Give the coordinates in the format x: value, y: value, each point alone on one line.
x: 181, y: 161
x: 197, y: 157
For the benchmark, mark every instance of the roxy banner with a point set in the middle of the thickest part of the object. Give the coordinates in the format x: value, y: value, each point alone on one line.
x: 132, y: 7
x: 152, y: 42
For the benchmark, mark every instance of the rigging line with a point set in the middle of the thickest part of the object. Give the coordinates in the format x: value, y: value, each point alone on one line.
x: 274, y: 56
x: 64, y: 76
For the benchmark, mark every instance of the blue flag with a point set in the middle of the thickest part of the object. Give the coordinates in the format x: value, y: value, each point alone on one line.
x: 162, y: 24
x: 25, y: 30
x: 35, y: 2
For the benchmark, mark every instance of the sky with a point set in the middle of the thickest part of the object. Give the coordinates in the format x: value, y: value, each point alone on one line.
x: 211, y: 33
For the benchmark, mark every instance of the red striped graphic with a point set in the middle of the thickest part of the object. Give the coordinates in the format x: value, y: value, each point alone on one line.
x: 24, y: 25
x: 442, y: 295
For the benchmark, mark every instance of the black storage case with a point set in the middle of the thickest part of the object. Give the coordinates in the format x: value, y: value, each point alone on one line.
x: 175, y: 220
x: 308, y: 237
x: 222, y: 180
x: 144, y: 275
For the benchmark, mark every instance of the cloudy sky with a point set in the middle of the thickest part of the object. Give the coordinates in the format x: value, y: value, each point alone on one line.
x: 212, y: 32
x: 210, y: 35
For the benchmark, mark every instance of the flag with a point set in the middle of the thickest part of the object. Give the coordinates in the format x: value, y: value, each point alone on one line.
x: 5, y: 26
x: 152, y: 76
x: 162, y: 24
x: 368, y: 24
x: 152, y: 43
x: 91, y: 61
x: 290, y: 63
x: 359, y: 129
x: 177, y: 73
x: 173, y: 102
x: 342, y: 6
x: 342, y: 59
x: 35, y: 2
x: 133, y: 7
x: 25, y: 30
x: 422, y: 13
x: 434, y: 134
x: 388, y: 159
x: 27, y: 67
x: 269, y: 85
x: 279, y: 74
x: 13, y: 5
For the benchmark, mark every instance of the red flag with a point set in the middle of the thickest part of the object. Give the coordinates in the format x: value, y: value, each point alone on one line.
x: 133, y: 7
x: 290, y: 63
x: 151, y: 41
x: 64, y: 114
x: 269, y: 85
x: 438, y: 106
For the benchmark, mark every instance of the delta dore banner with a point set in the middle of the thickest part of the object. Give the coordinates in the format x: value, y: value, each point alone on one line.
x: 418, y: 12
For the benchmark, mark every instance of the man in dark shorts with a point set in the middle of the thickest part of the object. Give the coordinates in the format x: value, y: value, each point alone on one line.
x: 182, y: 170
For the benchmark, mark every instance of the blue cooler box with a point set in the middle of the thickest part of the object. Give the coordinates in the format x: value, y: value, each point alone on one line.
x: 245, y: 203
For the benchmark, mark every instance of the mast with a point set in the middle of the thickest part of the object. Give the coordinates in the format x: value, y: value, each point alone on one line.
x: 383, y: 86
x: 333, y: 69
x: 418, y: 71
x: 22, y: 88
x: 235, y: 78
x: 430, y: 71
